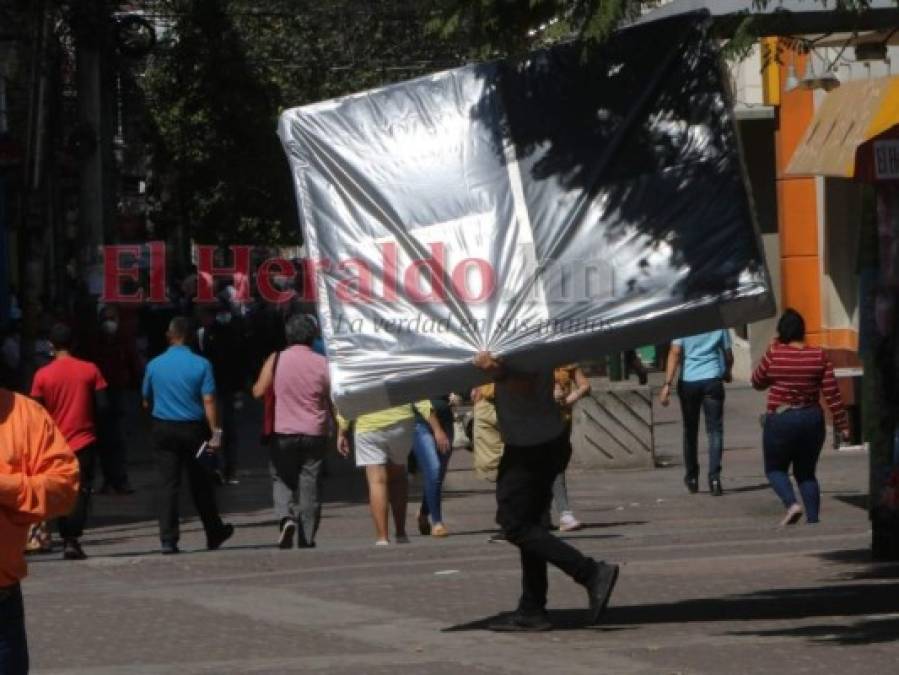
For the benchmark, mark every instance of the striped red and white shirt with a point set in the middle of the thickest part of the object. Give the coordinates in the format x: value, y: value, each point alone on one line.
x: 797, y: 377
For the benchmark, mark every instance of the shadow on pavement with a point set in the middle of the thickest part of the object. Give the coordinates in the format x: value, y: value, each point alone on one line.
x: 561, y: 619
x: 772, y: 605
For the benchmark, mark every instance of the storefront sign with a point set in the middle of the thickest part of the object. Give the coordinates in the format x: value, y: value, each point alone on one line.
x: 886, y: 160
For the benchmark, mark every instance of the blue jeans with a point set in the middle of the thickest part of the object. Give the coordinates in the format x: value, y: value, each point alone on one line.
x: 795, y: 437
x: 707, y: 396
x: 13, y: 645
x: 433, y: 465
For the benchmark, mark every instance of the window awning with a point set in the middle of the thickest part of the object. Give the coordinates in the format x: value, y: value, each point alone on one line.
x: 848, y: 116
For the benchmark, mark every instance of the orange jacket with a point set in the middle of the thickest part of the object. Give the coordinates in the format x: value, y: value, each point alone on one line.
x: 38, y: 477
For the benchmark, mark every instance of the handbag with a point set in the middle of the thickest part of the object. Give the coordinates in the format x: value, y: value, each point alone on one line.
x: 268, y: 407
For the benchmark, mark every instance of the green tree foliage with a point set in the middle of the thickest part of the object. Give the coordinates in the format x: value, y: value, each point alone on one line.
x: 499, y: 27
x: 224, y: 71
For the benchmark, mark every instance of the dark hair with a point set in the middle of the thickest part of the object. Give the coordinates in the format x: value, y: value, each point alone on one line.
x: 791, y: 327
x: 179, y: 328
x: 300, y: 329
x: 61, y: 336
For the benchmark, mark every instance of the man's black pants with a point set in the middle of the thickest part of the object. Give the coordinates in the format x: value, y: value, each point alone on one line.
x: 523, y: 495
x: 72, y: 525
x: 176, y: 445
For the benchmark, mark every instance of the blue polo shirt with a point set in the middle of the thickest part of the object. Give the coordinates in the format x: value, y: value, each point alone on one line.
x: 704, y: 355
x: 176, y: 382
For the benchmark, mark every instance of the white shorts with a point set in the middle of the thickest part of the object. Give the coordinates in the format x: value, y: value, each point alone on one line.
x: 385, y: 445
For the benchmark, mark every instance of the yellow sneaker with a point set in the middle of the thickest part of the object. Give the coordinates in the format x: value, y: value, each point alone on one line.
x: 439, y: 530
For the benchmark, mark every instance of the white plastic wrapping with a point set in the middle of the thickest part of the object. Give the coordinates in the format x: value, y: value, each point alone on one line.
x: 550, y: 210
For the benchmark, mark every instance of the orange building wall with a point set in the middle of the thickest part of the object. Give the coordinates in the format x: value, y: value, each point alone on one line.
x: 797, y: 208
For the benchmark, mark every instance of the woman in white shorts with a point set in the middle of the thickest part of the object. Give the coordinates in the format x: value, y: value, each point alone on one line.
x: 382, y: 443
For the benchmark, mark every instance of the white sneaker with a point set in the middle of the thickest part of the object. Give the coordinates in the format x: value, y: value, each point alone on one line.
x: 568, y: 523
x: 382, y: 542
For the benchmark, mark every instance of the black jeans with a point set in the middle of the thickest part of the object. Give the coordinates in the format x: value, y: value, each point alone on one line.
x: 296, y: 481
x: 523, y: 495
x: 707, y: 396
x: 176, y: 445
x: 72, y: 525
x: 13, y: 643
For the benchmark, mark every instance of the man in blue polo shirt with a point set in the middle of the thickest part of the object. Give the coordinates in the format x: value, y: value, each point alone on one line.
x: 706, y: 360
x: 180, y: 392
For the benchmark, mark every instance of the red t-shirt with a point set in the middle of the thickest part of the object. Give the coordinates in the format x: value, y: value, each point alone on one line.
x: 66, y: 387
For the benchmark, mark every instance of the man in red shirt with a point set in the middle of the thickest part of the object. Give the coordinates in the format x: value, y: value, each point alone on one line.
x: 71, y: 389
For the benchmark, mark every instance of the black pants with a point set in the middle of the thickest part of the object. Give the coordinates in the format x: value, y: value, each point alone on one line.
x: 72, y: 525
x: 707, y: 396
x: 176, y: 445
x: 13, y: 643
x: 523, y: 495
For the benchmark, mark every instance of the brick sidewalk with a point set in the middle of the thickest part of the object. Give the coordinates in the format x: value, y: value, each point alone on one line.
x: 708, y: 585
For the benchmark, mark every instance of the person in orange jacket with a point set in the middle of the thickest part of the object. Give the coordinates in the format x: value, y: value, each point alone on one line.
x: 38, y: 480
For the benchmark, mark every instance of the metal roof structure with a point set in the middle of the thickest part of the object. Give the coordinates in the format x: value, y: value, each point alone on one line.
x: 785, y: 17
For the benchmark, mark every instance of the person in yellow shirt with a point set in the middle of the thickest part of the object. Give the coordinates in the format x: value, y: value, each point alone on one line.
x: 383, y: 440
x: 38, y: 480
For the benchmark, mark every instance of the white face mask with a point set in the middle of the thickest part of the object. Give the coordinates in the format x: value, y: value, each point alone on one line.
x: 109, y: 326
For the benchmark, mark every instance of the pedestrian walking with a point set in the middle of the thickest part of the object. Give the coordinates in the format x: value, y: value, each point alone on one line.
x: 297, y: 379
x: 219, y: 340
x: 796, y: 376
x: 382, y: 442
x: 179, y: 390
x: 72, y: 391
x: 570, y: 386
x: 705, y: 362
x: 486, y: 441
x: 537, y: 449
x: 433, y: 448
x: 116, y: 356
x: 38, y: 481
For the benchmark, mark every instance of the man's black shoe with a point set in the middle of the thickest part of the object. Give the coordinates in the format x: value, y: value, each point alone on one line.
x: 169, y: 548
x: 72, y: 550
x: 692, y: 485
x: 497, y: 537
x: 599, y: 589
x: 715, y: 487
x: 218, y: 538
x: 288, y: 528
x: 521, y: 622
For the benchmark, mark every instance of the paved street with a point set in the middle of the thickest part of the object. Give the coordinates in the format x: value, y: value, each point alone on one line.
x: 708, y: 585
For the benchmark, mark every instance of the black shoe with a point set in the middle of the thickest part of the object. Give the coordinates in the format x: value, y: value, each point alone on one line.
x: 715, y: 487
x: 218, y: 538
x: 692, y: 485
x: 169, y: 548
x: 72, y: 550
x: 521, y: 622
x: 497, y: 537
x: 599, y: 589
x: 288, y: 528
x: 305, y: 544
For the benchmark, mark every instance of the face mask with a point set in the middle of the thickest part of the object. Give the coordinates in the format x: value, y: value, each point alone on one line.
x: 109, y: 327
x: 223, y: 317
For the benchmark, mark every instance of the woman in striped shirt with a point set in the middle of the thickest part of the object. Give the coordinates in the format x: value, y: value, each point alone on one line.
x: 796, y: 376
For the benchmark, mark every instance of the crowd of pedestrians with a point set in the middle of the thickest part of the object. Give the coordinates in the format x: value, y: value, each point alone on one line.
x: 192, y: 391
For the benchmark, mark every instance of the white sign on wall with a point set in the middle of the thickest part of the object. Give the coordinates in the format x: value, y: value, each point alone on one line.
x: 886, y: 160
